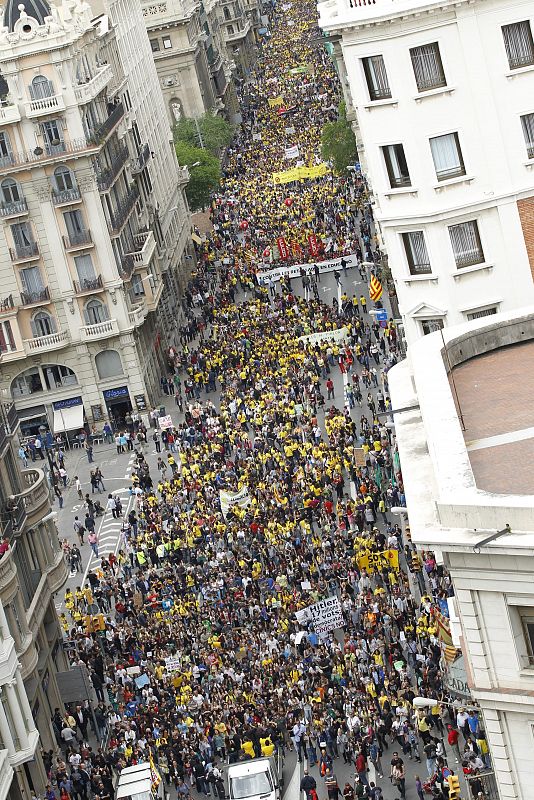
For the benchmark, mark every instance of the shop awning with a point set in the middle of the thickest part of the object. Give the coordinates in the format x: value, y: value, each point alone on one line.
x: 68, y: 419
x: 31, y: 413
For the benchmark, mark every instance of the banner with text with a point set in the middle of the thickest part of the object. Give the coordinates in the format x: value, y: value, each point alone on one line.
x: 231, y: 499
x: 388, y: 559
x: 294, y: 271
x: 299, y: 173
x: 327, y: 615
x: 338, y: 335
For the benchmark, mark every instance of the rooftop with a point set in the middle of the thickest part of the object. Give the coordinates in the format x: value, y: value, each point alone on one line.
x: 495, y: 397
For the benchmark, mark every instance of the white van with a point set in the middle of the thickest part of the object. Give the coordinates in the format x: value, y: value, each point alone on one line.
x: 256, y: 779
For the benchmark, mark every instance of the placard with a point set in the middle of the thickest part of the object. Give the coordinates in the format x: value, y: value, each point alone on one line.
x: 388, y: 559
x: 173, y: 664
x: 294, y: 271
x: 327, y: 615
x: 165, y: 422
x: 230, y: 499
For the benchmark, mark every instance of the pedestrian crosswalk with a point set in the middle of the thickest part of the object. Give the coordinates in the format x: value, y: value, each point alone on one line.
x: 109, y: 531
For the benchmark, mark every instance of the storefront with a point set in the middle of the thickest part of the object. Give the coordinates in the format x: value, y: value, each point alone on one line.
x: 31, y: 419
x: 68, y: 417
x: 118, y: 404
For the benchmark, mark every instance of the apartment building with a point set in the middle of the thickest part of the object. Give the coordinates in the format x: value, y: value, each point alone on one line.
x: 32, y: 569
x: 441, y: 98
x: 465, y: 436
x: 94, y: 218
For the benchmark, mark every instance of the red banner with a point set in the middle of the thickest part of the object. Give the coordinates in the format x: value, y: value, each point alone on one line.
x: 283, y: 249
x: 314, y: 245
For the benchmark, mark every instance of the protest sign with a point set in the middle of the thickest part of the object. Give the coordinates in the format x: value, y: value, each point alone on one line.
x: 165, y: 422
x: 388, y: 559
x: 276, y: 101
x: 327, y: 615
x: 292, y: 152
x: 337, y: 335
x: 230, y: 499
x: 172, y: 664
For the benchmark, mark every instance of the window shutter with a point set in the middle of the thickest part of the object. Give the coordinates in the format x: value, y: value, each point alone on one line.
x: 35, y: 332
x: 86, y: 316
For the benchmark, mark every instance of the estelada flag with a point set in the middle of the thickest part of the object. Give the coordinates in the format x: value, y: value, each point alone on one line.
x: 444, y: 627
x: 449, y: 653
x: 375, y: 289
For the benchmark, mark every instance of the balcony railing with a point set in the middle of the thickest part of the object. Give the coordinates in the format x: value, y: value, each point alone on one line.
x: 89, y: 285
x: 36, y: 497
x: 45, y: 105
x: 100, y: 330
x: 145, y: 244
x: 9, y: 114
x: 101, y: 133
x: 24, y: 252
x: 141, y: 161
x: 106, y: 177
x: 124, y: 209
x: 7, y: 304
x: 66, y: 196
x: 88, y: 91
x: 21, y: 160
x: 14, y: 209
x: 77, y: 239
x: 9, y: 421
x: 54, y: 341
x: 40, y: 296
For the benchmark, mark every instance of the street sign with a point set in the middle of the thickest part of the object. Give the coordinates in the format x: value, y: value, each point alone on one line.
x: 381, y: 315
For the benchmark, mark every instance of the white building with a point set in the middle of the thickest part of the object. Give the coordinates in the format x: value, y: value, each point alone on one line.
x: 444, y: 97
x: 94, y: 220
x: 463, y: 486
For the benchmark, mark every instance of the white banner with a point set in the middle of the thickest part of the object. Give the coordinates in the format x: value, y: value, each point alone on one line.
x: 327, y: 615
x: 338, y: 335
x: 292, y: 152
x: 256, y: 137
x: 303, y: 616
x: 229, y: 499
x: 173, y: 664
x: 165, y: 422
x: 294, y: 271
x: 290, y: 130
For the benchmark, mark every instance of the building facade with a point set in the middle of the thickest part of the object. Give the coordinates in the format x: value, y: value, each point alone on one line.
x: 465, y: 438
x: 32, y: 569
x: 94, y: 220
x: 442, y: 94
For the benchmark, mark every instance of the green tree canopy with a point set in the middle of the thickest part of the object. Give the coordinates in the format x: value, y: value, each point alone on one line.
x: 338, y: 143
x: 205, y: 176
x: 216, y: 133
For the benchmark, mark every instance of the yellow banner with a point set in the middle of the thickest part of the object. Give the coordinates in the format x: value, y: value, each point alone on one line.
x: 377, y: 561
x: 276, y: 101
x: 299, y: 173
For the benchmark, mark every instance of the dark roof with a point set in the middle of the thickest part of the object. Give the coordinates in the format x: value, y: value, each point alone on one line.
x: 38, y: 9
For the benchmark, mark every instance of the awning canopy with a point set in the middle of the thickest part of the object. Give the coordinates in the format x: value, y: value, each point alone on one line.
x: 68, y: 419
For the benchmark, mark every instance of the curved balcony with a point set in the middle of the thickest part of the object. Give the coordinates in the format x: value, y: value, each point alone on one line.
x: 36, y: 497
x: 58, y: 572
x: 8, y: 576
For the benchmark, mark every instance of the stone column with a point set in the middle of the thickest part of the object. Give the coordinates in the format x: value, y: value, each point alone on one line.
x: 5, y: 732
x: 16, y: 713
x: 24, y: 702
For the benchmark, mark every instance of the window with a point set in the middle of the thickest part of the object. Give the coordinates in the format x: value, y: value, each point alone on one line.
x: 527, y: 123
x: 526, y: 616
x: 518, y: 44
x: 23, y: 239
x: 427, y: 67
x: 416, y: 253
x: 64, y: 179
x: 6, y: 156
x: 167, y: 43
x: 376, y: 77
x: 85, y: 269
x: 11, y: 191
x: 40, y: 88
x: 108, y: 364
x: 95, y: 312
x: 447, y: 155
x: 43, y: 324
x: 396, y: 165
x: 31, y: 280
x: 230, y: 30
x: 137, y: 285
x: 431, y: 325
x: 52, y: 133
x: 154, y: 44
x: 466, y: 244
x: 483, y: 312
x: 7, y: 341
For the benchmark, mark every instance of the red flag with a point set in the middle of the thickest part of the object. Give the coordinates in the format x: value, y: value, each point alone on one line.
x: 314, y: 245
x: 283, y: 249
x: 297, y: 249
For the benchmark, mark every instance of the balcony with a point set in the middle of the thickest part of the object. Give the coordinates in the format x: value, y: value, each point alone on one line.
x: 127, y: 266
x: 100, y: 330
x: 41, y: 344
x: 123, y: 211
x: 66, y: 197
x: 78, y: 240
x: 31, y: 298
x: 8, y: 571
x: 15, y: 209
x: 138, y: 314
x: 105, y: 178
x: 147, y: 245
x: 100, y: 134
x: 36, y: 497
x: 141, y: 161
x: 7, y: 304
x: 44, y: 105
x: 19, y: 161
x: 9, y: 114
x: 9, y: 422
x: 153, y: 300
x: 24, y: 252
x: 88, y: 91
x: 89, y: 285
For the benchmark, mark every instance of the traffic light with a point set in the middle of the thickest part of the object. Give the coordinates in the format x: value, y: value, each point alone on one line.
x: 416, y: 564
x: 99, y: 623
x: 454, y: 787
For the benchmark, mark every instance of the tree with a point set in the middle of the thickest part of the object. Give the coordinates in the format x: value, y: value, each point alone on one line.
x: 338, y: 143
x: 205, y: 175
x: 210, y: 131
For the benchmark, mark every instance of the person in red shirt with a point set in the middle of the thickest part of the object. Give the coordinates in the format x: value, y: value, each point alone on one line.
x: 452, y: 738
x: 330, y: 388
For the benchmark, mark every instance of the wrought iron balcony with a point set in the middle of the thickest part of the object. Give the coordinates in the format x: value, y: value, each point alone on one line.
x: 66, y: 196
x: 30, y: 298
x: 73, y: 241
x: 24, y: 252
x: 100, y: 134
x: 14, y: 209
x: 7, y: 304
x: 106, y: 177
x: 123, y: 211
x: 17, y: 161
x: 141, y: 161
x: 9, y: 422
x: 89, y: 285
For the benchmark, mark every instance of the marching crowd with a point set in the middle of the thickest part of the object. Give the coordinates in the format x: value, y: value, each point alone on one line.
x: 271, y: 495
